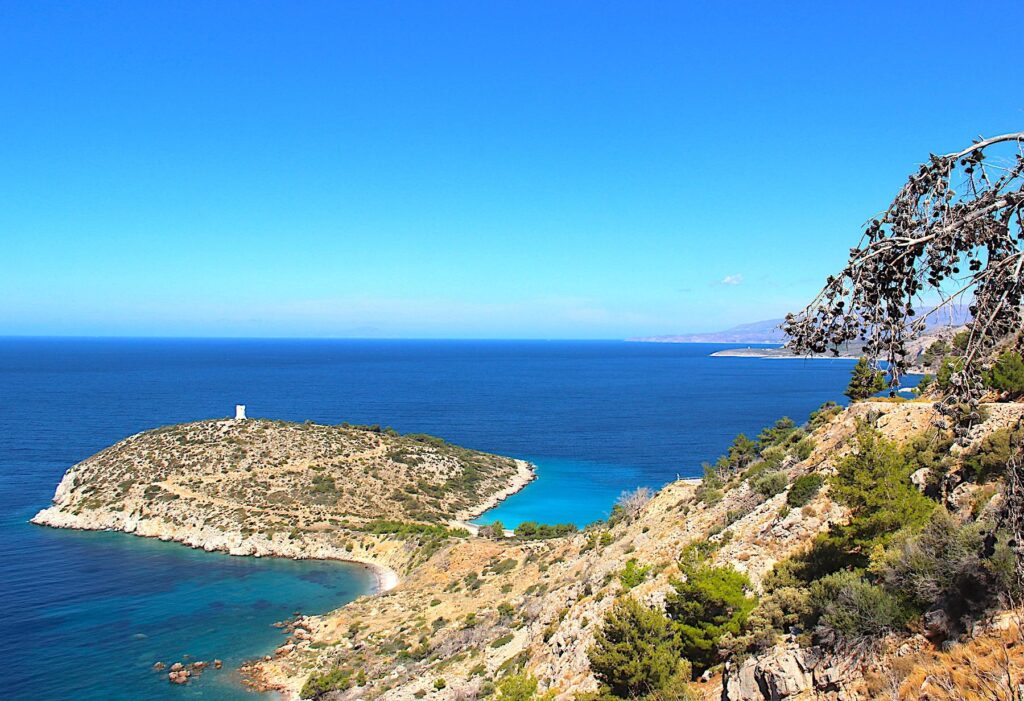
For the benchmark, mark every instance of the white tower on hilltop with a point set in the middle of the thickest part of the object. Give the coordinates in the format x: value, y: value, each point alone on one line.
x: 239, y: 412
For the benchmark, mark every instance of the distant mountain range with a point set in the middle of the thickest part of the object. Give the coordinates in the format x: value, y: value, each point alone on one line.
x: 756, y: 332
x: 768, y: 331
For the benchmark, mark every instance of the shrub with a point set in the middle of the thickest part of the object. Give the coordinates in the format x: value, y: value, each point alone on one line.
x: 628, y: 505
x: 531, y: 530
x: 770, y: 483
x: 851, y: 607
x: 405, y: 529
x: 709, y: 490
x: 777, y: 612
x: 496, y: 531
x: 633, y: 574
x: 709, y: 603
x: 338, y: 678
x: 503, y: 640
x: 503, y: 566
x: 637, y: 650
x: 823, y: 414
x: 771, y: 459
x: 1007, y: 374
x: 521, y: 687
x: 440, y: 683
x: 804, y: 448
x: 805, y: 488
x: 942, y: 562
x: 990, y: 458
x: 776, y: 434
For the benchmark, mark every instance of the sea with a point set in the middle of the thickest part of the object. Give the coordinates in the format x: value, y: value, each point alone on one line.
x: 86, y: 615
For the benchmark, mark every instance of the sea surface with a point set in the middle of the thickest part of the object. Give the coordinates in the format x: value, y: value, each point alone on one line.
x: 85, y: 615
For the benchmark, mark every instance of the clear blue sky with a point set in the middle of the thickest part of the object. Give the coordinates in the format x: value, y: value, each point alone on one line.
x: 465, y: 169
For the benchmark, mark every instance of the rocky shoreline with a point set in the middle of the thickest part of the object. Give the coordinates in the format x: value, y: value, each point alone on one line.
x: 382, y: 558
x: 384, y: 555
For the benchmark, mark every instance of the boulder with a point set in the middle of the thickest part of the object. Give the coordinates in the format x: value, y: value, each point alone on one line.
x: 777, y: 674
x: 938, y: 625
x: 787, y: 672
x: 920, y: 478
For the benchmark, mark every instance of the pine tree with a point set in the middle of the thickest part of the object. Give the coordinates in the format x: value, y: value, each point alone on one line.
x: 865, y: 381
x: 1007, y: 374
x: 637, y: 650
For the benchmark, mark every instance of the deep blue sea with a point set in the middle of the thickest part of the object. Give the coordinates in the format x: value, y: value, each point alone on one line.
x: 87, y: 614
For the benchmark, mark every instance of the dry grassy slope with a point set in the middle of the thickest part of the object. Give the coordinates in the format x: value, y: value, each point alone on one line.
x: 560, y: 589
x: 276, y: 488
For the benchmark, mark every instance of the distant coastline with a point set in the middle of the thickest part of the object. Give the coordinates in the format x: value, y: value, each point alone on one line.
x: 781, y: 353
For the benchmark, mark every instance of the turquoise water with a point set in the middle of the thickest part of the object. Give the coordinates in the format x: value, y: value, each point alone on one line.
x: 565, y: 491
x: 139, y: 600
x: 87, y: 614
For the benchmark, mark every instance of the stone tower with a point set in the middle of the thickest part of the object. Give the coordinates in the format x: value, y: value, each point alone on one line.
x: 239, y: 412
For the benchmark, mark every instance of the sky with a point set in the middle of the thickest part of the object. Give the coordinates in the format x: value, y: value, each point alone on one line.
x: 466, y: 169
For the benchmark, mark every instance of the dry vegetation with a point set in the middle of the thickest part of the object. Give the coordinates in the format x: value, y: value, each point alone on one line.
x: 268, y: 476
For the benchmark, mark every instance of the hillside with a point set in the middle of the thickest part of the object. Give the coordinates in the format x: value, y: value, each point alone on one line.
x: 784, y: 526
x: 480, y: 612
x: 260, y: 487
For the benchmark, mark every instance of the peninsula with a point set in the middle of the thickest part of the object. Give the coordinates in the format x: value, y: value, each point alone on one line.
x: 297, y: 490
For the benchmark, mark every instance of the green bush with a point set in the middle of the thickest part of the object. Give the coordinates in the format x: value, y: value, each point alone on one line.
x: 636, y: 651
x: 633, y: 574
x: 804, y: 449
x: 521, y: 687
x: 531, y: 530
x: 405, y: 529
x: 941, y: 563
x: 502, y: 641
x: 338, y: 678
x: 496, y: 531
x: 805, y: 488
x: 709, y: 490
x: 1007, y: 374
x: 708, y: 604
x: 989, y: 459
x: 776, y: 434
x: 770, y: 483
x: 823, y: 414
x: 851, y: 607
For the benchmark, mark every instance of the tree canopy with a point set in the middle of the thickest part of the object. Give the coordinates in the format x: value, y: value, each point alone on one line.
x: 954, y: 229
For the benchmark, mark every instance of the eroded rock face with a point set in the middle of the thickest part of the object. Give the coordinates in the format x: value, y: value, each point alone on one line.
x: 789, y: 672
x: 777, y: 675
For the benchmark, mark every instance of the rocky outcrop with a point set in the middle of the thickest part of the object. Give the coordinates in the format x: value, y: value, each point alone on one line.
x: 787, y: 672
